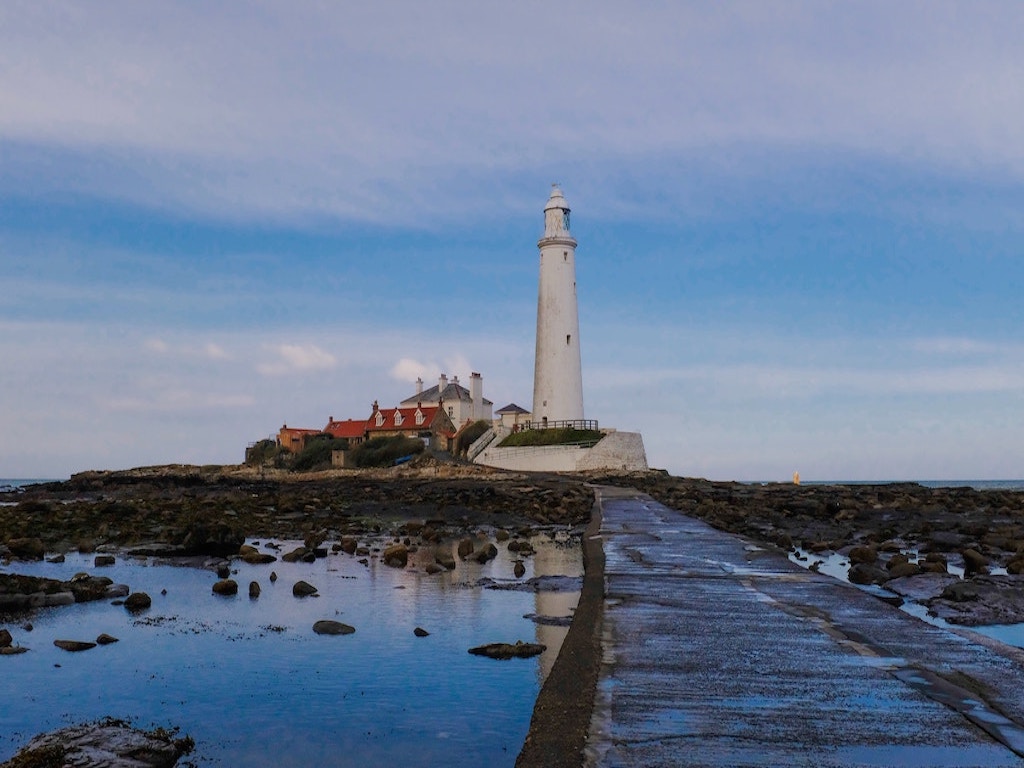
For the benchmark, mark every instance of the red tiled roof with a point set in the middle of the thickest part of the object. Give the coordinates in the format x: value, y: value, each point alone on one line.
x: 346, y: 428
x: 408, y: 420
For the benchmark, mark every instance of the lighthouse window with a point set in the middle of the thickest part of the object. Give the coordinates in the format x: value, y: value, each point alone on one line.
x: 568, y: 338
x: 565, y: 255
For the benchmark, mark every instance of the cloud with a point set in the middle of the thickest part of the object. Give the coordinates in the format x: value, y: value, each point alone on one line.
x: 407, y: 369
x: 215, y: 351
x: 158, y: 346
x: 108, y: 92
x: 297, y: 358
x: 179, y: 401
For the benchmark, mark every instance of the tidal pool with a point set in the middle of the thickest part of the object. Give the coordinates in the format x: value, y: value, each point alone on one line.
x: 251, y: 682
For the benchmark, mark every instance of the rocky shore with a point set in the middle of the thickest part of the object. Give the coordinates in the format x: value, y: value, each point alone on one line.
x: 958, y: 551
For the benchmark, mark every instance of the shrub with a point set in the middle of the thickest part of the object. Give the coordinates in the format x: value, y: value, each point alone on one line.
x: 469, y: 435
x: 317, y: 452
x: 382, y: 451
x: 560, y: 436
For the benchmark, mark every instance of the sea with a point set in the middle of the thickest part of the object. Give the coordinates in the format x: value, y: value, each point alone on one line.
x: 252, y: 684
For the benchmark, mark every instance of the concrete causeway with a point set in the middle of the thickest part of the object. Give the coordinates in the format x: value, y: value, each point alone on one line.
x: 718, y: 652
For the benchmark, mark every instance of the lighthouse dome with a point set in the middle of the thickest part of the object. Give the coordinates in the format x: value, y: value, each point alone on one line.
x: 556, y: 200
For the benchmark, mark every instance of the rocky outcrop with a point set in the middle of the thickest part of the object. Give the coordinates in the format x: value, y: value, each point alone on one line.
x: 107, y: 744
x: 519, y: 650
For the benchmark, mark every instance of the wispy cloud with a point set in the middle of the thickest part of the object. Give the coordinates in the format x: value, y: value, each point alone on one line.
x: 297, y: 358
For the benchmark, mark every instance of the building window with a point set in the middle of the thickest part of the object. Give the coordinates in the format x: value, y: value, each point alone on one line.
x: 380, y: 419
x: 568, y: 338
x: 398, y: 418
x: 419, y: 417
x: 451, y: 410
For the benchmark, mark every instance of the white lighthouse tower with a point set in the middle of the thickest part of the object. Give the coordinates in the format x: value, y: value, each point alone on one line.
x: 557, y: 374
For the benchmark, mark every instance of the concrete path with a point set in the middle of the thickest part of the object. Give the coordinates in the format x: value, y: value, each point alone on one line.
x: 721, y: 653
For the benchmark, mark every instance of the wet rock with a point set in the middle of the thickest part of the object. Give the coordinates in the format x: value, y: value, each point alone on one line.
x: 863, y: 554
x: 295, y: 555
x: 74, y: 646
x: 223, y: 571
x: 486, y: 553
x: 549, y: 621
x: 225, y: 587
x: 433, y: 568
x: 519, y: 568
x: 273, y: 576
x: 519, y: 649
x: 420, y: 632
x: 5, y: 638
x: 259, y: 558
x: 349, y: 544
x: 103, y: 560
x: 982, y: 600
x: 465, y: 548
x: 27, y: 548
x: 501, y: 535
x: 303, y: 589
x: 445, y: 560
x: 107, y: 744
x: 56, y: 559
x: 961, y: 592
x: 254, y: 589
x: 902, y: 570
x: 137, y: 601
x: 114, y: 591
x: 396, y: 556
x: 974, y: 562
x: 329, y: 627
x: 219, y: 539
x: 863, y: 573
x: 13, y: 650
x: 105, y: 639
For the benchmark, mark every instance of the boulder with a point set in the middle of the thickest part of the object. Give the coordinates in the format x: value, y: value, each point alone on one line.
x: 225, y: 587
x: 5, y: 638
x: 519, y: 650
x: 519, y: 569
x: 273, y: 576
x: 103, y: 560
x: 328, y: 627
x: 219, y: 539
x: 105, y: 639
x: 420, y: 632
x: 349, y: 544
x: 465, y: 548
x: 223, y: 571
x: 27, y: 548
x: 974, y: 562
x: 485, y: 553
x: 863, y: 573
x: 114, y: 591
x: 303, y: 589
x: 295, y: 555
x: 74, y: 646
x: 397, y: 556
x: 904, y: 569
x: 259, y: 558
x: 433, y: 568
x: 254, y: 589
x: 107, y: 744
x: 445, y: 560
x: 13, y: 650
x: 863, y: 554
x: 137, y: 601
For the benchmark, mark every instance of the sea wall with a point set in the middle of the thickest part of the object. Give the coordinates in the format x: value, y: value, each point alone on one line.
x: 615, y: 451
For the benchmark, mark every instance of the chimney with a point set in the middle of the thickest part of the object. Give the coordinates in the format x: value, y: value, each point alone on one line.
x: 419, y: 385
x: 330, y: 419
x: 455, y: 379
x: 442, y: 385
x: 476, y: 393
x: 376, y: 407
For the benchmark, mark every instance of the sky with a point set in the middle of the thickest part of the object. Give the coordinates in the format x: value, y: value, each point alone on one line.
x: 799, y: 223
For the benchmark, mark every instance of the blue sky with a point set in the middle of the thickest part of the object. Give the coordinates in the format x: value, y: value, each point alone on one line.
x: 799, y: 225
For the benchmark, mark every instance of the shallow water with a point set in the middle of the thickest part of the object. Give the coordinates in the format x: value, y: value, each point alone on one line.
x: 253, y: 684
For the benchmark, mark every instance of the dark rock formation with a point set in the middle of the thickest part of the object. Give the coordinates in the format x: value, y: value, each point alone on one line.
x: 225, y: 587
x: 420, y: 632
x: 397, y: 556
x: 254, y: 589
x: 329, y: 627
x: 137, y: 601
x: 105, y: 639
x: 519, y: 650
x: 303, y: 589
x: 107, y: 744
x: 74, y: 646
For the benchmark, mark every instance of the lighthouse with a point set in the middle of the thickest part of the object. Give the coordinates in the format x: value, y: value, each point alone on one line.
x: 557, y: 373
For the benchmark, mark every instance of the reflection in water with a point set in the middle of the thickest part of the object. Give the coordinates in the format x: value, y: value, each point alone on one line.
x: 251, y: 682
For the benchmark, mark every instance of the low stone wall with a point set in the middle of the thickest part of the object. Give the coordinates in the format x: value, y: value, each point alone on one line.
x: 615, y: 451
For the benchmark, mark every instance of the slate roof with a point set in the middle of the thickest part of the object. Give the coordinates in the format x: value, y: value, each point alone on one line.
x: 452, y: 392
x: 512, y: 408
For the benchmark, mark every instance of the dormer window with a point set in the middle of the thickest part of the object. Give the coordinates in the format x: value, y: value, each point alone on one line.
x: 380, y: 419
x: 398, y: 418
x: 419, y: 417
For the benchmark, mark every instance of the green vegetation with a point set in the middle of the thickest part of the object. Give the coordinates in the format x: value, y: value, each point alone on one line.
x: 317, y: 452
x: 265, y: 452
x: 560, y: 436
x: 383, y: 451
x: 470, y: 435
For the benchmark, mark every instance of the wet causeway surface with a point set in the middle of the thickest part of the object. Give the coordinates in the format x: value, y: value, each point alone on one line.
x: 721, y: 653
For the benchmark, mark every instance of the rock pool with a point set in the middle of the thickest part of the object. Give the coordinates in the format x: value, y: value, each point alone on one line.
x: 252, y: 683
